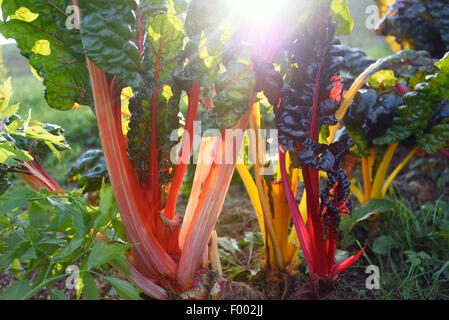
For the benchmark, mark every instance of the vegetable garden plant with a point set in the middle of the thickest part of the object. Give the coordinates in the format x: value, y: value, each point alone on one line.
x: 135, y: 63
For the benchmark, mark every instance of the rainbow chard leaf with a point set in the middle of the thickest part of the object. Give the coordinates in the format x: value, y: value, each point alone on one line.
x: 394, y: 74
x: 154, y: 108
x: 205, y: 28
x: 376, y: 111
x: 425, y: 115
x: 356, y: 61
x: 53, y: 50
x: 383, y: 96
x: 312, y: 97
x: 418, y: 24
x: 113, y: 44
x: 89, y: 170
x: 233, y: 88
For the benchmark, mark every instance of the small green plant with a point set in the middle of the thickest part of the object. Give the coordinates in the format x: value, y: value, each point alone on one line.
x: 56, y: 235
x: 412, y: 251
x: 235, y: 262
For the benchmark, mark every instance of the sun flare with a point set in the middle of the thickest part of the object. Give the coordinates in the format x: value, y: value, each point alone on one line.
x: 258, y: 12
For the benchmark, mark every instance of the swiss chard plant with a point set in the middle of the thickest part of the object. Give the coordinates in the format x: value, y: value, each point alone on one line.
x: 379, y: 98
x: 269, y: 201
x: 136, y: 62
x: 305, y: 98
x: 267, y: 190
x: 163, y: 50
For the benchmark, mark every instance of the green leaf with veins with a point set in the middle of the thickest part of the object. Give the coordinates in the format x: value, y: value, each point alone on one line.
x: 141, y: 44
x: 10, y: 156
x: 124, y: 288
x: 53, y: 50
x: 207, y: 31
x: 381, y: 108
x: 234, y: 88
x: 102, y: 253
x: 109, y: 34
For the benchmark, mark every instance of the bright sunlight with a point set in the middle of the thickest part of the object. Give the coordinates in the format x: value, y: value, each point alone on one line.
x: 259, y: 12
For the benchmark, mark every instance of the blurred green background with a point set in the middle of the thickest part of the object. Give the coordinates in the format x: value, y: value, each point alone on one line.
x: 362, y: 36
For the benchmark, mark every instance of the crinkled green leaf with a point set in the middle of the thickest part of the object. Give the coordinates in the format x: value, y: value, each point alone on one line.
x: 109, y: 35
x: 369, y: 116
x: 356, y: 60
x: 417, y: 24
x: 436, y: 139
x: 373, y: 112
x: 233, y: 88
x: 406, y: 63
x: 155, y: 107
x: 206, y: 28
x: 439, y: 11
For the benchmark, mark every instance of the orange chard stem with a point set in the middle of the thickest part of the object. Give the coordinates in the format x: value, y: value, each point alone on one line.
x: 209, y: 204
x: 129, y: 196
